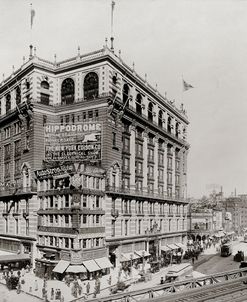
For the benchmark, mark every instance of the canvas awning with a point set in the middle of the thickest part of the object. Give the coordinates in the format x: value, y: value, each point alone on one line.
x: 181, y: 245
x: 76, y: 269
x: 61, y: 266
x: 172, y: 246
x: 14, y: 258
x: 103, y: 262
x: 142, y: 253
x: 131, y: 256
x: 91, y: 265
x: 165, y: 248
x: 123, y: 258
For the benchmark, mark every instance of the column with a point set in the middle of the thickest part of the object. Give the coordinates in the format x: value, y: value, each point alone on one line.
x: 165, y: 168
x: 132, y: 156
x: 145, y: 161
x: 156, y: 165
x: 173, y: 170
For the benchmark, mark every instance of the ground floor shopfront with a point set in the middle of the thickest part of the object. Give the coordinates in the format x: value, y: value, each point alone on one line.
x: 139, y: 250
x: 19, y: 245
x: 85, y: 264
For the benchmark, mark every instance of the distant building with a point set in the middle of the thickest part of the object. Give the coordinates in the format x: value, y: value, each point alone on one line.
x: 204, y: 223
x: 237, y: 206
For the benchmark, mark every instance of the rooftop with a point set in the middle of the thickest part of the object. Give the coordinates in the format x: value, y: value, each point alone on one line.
x: 105, y: 51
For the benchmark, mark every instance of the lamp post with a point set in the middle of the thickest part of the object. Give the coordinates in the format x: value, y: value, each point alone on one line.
x: 143, y: 261
x: 131, y: 258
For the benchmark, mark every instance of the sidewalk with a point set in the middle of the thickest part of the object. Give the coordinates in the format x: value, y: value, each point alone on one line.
x: 30, y: 281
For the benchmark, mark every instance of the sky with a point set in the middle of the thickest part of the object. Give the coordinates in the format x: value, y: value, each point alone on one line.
x: 203, y: 41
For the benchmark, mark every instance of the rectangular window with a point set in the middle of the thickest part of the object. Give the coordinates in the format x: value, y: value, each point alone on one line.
x: 17, y: 166
x: 66, y: 219
x: 27, y: 226
x: 96, y: 114
x: 17, y: 127
x: 7, y: 132
x: 84, y: 116
x: 66, y: 200
x: 17, y: 148
x: 84, y: 243
x: 97, y: 201
x: 126, y: 227
x: 66, y: 119
x: 84, y: 219
x: 90, y: 115
x: 84, y: 201
x: 7, y: 169
x: 7, y: 151
x: 97, y: 218
x: 126, y: 183
x: 66, y: 242
x: 51, y: 219
x: 114, y: 139
x: 73, y: 118
x: 126, y: 144
x: 126, y: 166
x: 61, y: 120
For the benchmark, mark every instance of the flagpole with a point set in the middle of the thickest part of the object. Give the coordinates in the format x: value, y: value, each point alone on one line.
x: 112, y: 38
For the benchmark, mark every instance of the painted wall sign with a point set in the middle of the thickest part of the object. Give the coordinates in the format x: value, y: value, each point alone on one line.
x: 73, y: 142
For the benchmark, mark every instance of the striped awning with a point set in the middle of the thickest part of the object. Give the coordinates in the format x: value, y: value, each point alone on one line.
x: 91, y: 265
x: 142, y: 253
x: 172, y: 246
x: 181, y: 245
x: 103, y: 262
x: 165, y: 248
x: 61, y: 266
x: 76, y: 269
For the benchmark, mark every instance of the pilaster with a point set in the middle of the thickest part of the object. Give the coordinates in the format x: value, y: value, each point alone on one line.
x: 132, y: 156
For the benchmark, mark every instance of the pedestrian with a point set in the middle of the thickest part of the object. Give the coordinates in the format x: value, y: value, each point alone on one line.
x: 193, y: 260
x: 109, y: 281
x: 62, y: 298
x: 88, y: 288
x: 52, y: 293
x: 18, y: 288
x: 36, y: 285
x: 22, y: 272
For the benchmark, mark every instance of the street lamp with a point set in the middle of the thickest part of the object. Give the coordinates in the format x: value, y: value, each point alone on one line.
x: 143, y: 260
x: 131, y: 258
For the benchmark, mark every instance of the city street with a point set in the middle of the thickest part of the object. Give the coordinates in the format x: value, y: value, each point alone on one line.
x: 10, y: 296
x: 219, y: 264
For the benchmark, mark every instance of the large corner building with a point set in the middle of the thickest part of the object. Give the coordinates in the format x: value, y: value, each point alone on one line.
x: 115, y: 191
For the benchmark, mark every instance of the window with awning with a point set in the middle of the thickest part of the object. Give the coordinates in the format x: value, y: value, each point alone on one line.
x: 165, y: 248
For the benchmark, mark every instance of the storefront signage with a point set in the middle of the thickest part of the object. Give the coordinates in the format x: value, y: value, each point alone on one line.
x: 55, y: 171
x: 73, y: 142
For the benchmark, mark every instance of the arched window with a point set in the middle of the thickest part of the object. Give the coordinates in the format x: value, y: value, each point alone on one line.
x: 91, y: 86
x: 126, y: 94
x: 44, y: 93
x: 169, y: 126
x: 68, y: 91
x: 160, y: 118
x: 8, y: 103
x: 139, y: 104
x: 150, y: 112
x: 18, y: 95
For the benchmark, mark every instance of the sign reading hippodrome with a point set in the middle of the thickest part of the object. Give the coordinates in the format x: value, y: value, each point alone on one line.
x: 73, y: 142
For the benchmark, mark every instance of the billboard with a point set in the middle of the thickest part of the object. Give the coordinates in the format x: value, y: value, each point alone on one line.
x: 73, y: 142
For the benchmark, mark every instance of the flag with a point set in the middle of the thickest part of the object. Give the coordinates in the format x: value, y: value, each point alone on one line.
x: 187, y: 86
x: 113, y: 4
x: 32, y: 15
